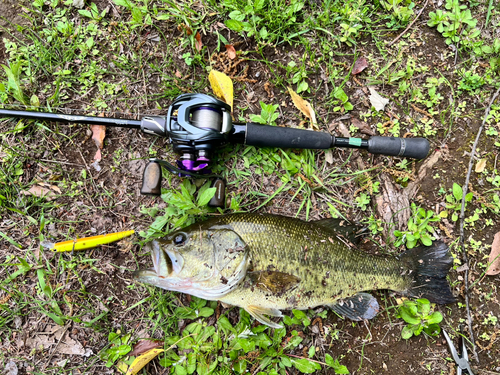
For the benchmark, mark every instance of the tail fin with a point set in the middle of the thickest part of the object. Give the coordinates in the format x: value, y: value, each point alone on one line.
x: 430, y: 265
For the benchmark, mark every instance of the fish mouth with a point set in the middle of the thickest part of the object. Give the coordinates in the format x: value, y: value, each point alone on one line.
x: 163, y: 265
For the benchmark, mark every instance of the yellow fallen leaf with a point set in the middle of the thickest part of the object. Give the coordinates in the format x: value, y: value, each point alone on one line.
x: 401, y: 300
x: 122, y: 367
x: 222, y: 86
x: 305, y: 107
x: 90, y: 242
x: 142, y: 361
x: 481, y: 164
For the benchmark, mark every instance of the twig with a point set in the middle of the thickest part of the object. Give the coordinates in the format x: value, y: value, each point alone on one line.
x: 410, y: 25
x: 462, y: 215
x: 58, y: 342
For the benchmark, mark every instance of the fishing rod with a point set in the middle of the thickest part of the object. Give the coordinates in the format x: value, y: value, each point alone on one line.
x: 197, y: 124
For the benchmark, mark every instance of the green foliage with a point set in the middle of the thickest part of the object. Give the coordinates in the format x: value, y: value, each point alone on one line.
x: 471, y: 82
x: 236, y: 348
x: 182, y: 208
x: 454, y: 202
x: 342, y: 103
x: 458, y: 26
x: 14, y: 83
x: 299, y: 75
x: 118, y: 348
x: 268, y: 114
x: 419, y: 228
x: 420, y: 317
x: 140, y: 15
x: 401, y: 11
x: 349, y: 16
x: 362, y: 201
x: 267, y: 21
x: 93, y: 12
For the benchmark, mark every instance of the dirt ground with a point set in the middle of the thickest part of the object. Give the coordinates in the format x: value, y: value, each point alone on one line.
x: 112, y: 202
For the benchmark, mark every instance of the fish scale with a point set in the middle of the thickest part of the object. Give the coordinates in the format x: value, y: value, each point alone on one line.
x: 267, y: 263
x: 328, y: 269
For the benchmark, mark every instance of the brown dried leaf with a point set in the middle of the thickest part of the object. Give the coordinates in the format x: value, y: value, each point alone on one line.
x: 362, y: 126
x: 178, y: 74
x: 98, y: 155
x: 197, y: 42
x: 305, y: 107
x: 43, y: 190
x: 98, y: 134
x: 360, y: 65
x: 231, y: 52
x: 186, y: 28
x: 494, y: 260
x: 145, y: 345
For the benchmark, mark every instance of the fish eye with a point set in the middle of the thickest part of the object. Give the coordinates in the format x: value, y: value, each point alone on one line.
x: 179, y: 239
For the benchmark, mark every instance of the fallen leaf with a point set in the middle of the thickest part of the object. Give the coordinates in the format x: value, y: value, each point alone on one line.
x: 222, y: 86
x: 143, y: 346
x: 305, y: 107
x: 178, y: 74
x: 197, y: 42
x: 362, y: 126
x: 98, y: 134
x: 43, y: 190
x: 231, y: 52
x: 329, y: 156
x: 494, y: 260
x: 11, y: 368
x: 142, y: 361
x: 376, y: 100
x: 186, y: 28
x: 98, y: 157
x: 360, y: 65
x: 481, y: 164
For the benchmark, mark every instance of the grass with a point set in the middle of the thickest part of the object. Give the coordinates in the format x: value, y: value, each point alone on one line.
x: 129, y: 58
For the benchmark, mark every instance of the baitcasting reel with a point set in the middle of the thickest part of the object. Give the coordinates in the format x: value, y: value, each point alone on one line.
x: 197, y: 124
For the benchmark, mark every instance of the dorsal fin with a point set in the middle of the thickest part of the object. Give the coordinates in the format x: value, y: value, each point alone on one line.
x: 343, y: 228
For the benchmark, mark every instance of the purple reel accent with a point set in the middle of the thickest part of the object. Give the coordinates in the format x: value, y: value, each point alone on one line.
x: 192, y: 166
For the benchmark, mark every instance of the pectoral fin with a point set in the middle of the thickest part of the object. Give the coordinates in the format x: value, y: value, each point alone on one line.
x: 258, y: 313
x: 358, y: 307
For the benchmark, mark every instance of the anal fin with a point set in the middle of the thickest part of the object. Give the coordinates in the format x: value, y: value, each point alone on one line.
x: 258, y: 314
x: 361, y: 306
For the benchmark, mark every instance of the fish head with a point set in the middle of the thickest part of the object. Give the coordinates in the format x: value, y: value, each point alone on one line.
x: 206, y: 263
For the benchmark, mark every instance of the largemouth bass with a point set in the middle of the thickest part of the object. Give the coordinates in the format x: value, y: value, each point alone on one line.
x: 265, y: 263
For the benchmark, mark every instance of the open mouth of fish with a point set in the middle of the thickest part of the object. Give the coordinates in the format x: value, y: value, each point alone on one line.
x: 165, y: 274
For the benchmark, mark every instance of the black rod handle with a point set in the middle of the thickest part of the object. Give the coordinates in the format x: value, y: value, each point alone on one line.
x: 415, y: 148
x: 276, y: 136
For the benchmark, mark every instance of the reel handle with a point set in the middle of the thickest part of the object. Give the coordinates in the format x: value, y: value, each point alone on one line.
x: 151, y: 179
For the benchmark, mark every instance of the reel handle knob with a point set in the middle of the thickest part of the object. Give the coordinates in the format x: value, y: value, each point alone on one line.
x: 219, y: 199
x: 151, y: 179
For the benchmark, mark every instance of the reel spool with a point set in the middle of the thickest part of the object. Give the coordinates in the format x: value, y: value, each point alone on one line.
x: 196, y: 124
